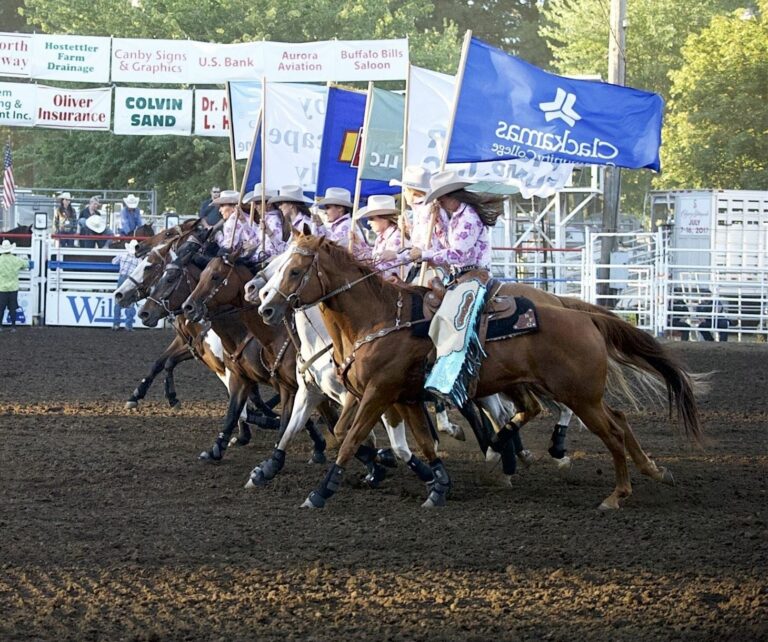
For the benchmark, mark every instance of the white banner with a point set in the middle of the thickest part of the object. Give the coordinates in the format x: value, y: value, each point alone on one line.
x: 74, y: 108
x: 211, y: 113
x: 294, y: 125
x: 152, y: 61
x: 15, y: 54
x: 76, y: 58
x: 153, y: 112
x: 371, y: 59
x: 83, y: 309
x: 18, y: 104
x: 213, y: 63
x: 430, y: 98
x: 299, y: 62
x: 246, y: 107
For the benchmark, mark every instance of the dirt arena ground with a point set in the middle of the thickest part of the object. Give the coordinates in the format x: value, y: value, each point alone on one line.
x: 110, y: 529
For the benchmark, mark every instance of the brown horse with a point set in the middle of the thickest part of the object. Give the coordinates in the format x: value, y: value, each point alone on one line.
x: 566, y: 360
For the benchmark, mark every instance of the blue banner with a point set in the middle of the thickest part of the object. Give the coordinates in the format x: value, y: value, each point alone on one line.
x: 340, y: 150
x: 510, y: 109
x: 253, y: 167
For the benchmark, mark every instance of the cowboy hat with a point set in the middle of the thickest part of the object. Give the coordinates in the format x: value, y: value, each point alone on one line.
x: 444, y: 183
x: 130, y: 246
x: 255, y: 194
x: 290, y: 194
x: 227, y: 197
x: 7, y: 247
x: 415, y: 177
x: 96, y: 223
x: 131, y: 201
x: 336, y: 196
x: 64, y: 195
x: 382, y: 205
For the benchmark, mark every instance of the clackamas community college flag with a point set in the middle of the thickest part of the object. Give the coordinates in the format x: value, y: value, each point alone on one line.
x: 508, y: 108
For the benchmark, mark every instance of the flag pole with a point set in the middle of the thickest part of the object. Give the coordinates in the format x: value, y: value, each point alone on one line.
x: 358, y: 180
x: 231, y: 137
x: 448, y: 133
x: 263, y: 221
x: 402, y: 163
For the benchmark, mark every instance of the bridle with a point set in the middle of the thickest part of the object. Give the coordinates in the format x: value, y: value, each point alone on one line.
x: 164, y: 302
x: 223, y: 283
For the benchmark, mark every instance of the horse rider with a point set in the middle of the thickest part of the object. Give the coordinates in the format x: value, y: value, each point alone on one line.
x: 337, y: 205
x: 237, y: 229
x: 294, y: 206
x: 130, y: 216
x: 277, y: 231
x: 382, y: 214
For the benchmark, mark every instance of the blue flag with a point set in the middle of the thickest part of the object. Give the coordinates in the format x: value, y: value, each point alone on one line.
x: 510, y: 109
x: 340, y: 150
x: 253, y: 167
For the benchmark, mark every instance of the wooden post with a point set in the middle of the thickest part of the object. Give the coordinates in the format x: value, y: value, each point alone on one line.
x: 263, y: 221
x: 231, y: 137
x: 358, y: 180
x: 402, y: 164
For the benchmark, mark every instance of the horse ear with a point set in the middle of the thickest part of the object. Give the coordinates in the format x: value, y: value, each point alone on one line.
x: 295, y: 233
x: 307, y: 230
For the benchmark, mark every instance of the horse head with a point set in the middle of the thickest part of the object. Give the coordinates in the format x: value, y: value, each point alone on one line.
x: 221, y: 282
x: 257, y: 283
x: 164, y: 237
x: 168, y: 294
x: 138, y: 283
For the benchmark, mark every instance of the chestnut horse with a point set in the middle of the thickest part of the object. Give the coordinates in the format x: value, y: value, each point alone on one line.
x: 567, y: 360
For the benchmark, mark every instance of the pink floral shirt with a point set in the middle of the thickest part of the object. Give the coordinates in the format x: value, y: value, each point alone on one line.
x: 244, y: 232
x: 390, y: 239
x: 422, y: 218
x: 338, y: 232
x: 300, y: 220
x: 273, y: 238
x: 465, y: 241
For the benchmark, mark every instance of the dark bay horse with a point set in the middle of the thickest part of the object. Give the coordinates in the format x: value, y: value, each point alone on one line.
x: 143, y: 232
x: 567, y: 360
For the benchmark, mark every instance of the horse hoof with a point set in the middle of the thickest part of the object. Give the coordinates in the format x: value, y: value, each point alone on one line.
x: 667, y: 477
x: 526, y: 458
x: 249, y: 484
x: 491, y: 456
x: 608, y: 505
x: 318, y: 457
x: 458, y: 434
x: 564, y: 465
x: 130, y: 405
x: 314, y: 500
x: 174, y: 403
x: 434, y: 501
x: 208, y: 457
x: 257, y: 478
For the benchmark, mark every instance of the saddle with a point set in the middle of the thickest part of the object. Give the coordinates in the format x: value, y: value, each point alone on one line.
x: 496, y: 306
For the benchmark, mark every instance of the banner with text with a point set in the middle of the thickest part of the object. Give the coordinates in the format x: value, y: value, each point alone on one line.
x: 151, y: 61
x: 71, y: 58
x: 74, y: 108
x: 431, y: 97
x: 18, y: 104
x: 246, y: 110
x: 211, y: 117
x: 384, y: 136
x: 15, y: 54
x: 153, y: 112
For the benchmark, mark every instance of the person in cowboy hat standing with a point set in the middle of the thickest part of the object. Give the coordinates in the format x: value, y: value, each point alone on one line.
x: 337, y: 204
x: 291, y: 201
x: 237, y: 229
x: 127, y: 262
x: 10, y: 266
x: 382, y: 214
x: 65, y: 218
x: 95, y: 225
x: 277, y: 231
x: 130, y: 216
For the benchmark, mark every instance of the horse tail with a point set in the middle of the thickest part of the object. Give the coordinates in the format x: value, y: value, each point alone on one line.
x: 641, y: 352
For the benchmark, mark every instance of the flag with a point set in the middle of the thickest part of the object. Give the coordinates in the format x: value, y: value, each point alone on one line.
x: 507, y: 108
x: 9, y: 187
x: 340, y: 151
x: 384, y: 137
x: 430, y: 96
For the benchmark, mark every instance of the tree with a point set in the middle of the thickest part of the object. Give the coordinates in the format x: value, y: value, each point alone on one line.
x: 718, y: 121
x: 182, y: 169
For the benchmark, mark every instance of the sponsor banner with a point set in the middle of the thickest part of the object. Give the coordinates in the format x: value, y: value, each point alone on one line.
x: 15, y: 54
x: 507, y: 109
x: 75, y: 58
x: 83, y: 309
x: 300, y: 62
x: 431, y: 97
x: 152, y: 61
x: 18, y: 104
x: 246, y: 110
x: 211, y: 113
x: 74, y: 108
x: 153, y: 112
x: 213, y: 63
x: 384, y: 137
x: 693, y: 217
x: 371, y: 60
x: 294, y: 126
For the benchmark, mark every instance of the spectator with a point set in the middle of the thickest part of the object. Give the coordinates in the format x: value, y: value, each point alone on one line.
x: 65, y: 218
x: 713, y: 308
x: 10, y: 266
x: 127, y: 262
x: 208, y: 210
x: 95, y: 225
x: 680, y: 311
x: 94, y: 207
x: 130, y: 216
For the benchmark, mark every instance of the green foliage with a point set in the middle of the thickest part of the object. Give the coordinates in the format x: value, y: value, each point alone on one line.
x: 718, y: 121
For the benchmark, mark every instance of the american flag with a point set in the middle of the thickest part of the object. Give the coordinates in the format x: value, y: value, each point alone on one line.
x: 9, y: 187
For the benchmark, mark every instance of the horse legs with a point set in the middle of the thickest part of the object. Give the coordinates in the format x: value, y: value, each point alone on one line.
x: 395, y: 427
x: 597, y: 417
x: 170, y: 384
x: 239, y: 389
x: 479, y: 424
x: 175, y: 347
x: 444, y: 424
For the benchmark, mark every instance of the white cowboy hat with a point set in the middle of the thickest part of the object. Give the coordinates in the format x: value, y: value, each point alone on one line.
x: 415, y: 177
x: 131, y: 201
x: 378, y: 205
x: 227, y: 197
x: 255, y: 193
x: 7, y: 247
x: 96, y: 223
x: 290, y: 194
x: 444, y: 183
x: 131, y: 246
x: 64, y: 195
x: 336, y: 196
